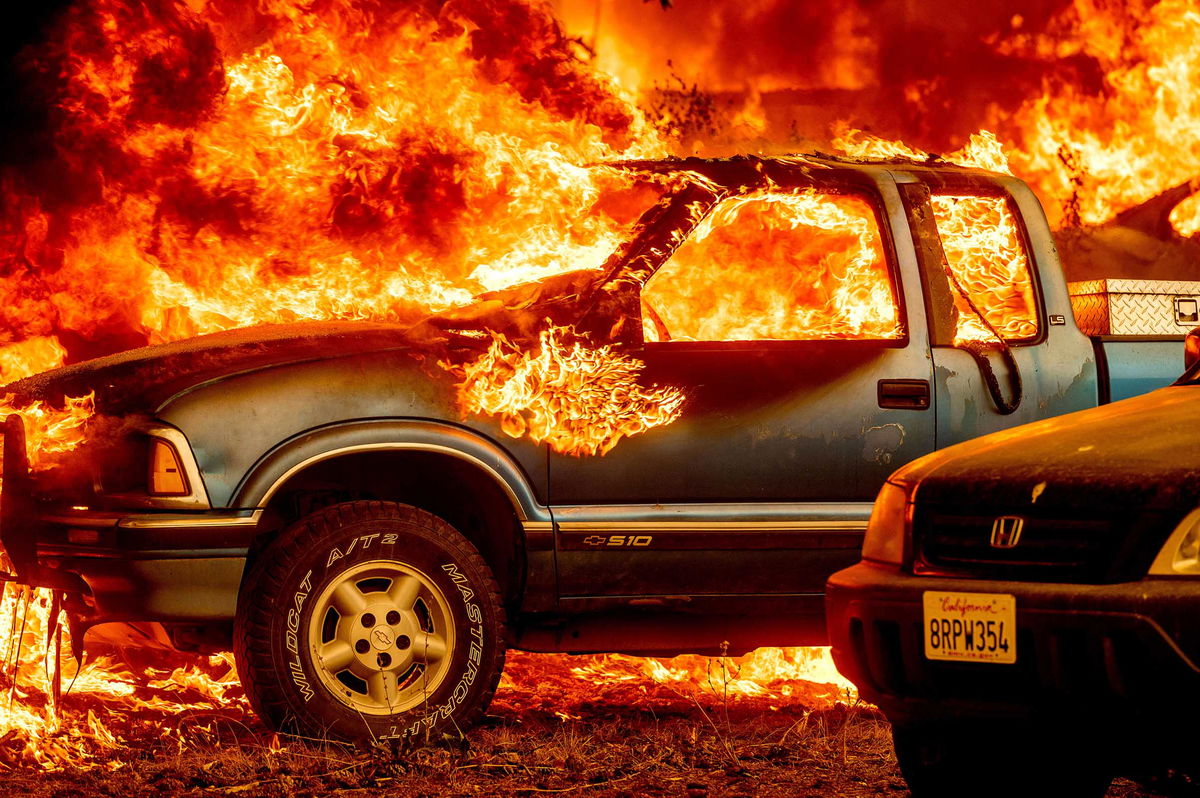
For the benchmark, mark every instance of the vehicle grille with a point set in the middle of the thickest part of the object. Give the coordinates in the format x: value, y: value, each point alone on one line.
x: 1071, y: 549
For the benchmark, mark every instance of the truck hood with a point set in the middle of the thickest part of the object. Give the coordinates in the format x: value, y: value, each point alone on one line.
x: 1139, y: 453
x: 141, y: 380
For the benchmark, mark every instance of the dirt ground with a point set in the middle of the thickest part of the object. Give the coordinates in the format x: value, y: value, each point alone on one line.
x: 551, y: 730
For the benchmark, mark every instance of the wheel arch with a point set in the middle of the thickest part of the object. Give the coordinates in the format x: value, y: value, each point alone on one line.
x: 273, y: 469
x: 451, y: 472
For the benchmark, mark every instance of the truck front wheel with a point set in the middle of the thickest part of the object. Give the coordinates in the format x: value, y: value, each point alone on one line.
x: 370, y: 621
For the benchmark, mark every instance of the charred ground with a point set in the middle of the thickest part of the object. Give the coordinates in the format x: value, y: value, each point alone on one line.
x: 551, y: 730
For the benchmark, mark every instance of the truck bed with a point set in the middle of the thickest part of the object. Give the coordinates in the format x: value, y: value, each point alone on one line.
x: 1133, y: 365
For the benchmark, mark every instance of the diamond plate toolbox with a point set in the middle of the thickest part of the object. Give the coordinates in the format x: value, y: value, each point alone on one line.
x: 1136, y: 307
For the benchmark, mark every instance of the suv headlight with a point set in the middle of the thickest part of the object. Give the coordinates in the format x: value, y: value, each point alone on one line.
x: 888, y: 529
x: 1181, y: 555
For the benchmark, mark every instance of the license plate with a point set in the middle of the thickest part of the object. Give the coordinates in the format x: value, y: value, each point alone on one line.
x: 971, y: 627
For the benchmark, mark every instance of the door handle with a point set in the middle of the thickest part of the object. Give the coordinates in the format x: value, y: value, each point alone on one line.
x: 904, y: 394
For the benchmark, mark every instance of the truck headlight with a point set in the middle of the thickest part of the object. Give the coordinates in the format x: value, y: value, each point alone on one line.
x: 1181, y: 554
x: 166, y: 471
x: 888, y: 528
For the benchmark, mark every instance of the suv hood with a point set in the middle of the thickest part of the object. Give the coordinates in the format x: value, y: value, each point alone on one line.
x: 141, y: 380
x: 1141, y: 453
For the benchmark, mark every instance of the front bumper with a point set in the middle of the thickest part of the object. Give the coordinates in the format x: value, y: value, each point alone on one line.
x: 132, y: 565
x: 148, y: 566
x: 1123, y: 650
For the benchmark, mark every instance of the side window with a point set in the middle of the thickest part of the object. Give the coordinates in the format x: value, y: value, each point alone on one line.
x: 986, y: 253
x: 778, y: 267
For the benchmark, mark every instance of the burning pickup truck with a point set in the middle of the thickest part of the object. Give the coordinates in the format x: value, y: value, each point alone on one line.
x: 671, y: 453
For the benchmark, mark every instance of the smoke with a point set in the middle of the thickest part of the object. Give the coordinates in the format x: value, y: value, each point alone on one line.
x: 928, y: 72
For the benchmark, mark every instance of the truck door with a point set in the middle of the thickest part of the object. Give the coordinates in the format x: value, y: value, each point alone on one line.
x: 783, y: 319
x: 1009, y: 351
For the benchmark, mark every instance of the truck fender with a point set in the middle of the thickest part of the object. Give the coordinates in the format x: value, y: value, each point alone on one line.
x: 292, y: 456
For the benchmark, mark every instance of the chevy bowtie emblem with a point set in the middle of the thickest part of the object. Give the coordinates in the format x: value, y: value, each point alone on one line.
x: 1006, y: 531
x: 594, y: 540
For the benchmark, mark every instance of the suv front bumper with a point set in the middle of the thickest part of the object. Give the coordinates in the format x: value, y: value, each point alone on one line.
x: 1126, y: 649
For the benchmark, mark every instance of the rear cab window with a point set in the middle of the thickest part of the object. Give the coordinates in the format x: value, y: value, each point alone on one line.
x: 989, y: 267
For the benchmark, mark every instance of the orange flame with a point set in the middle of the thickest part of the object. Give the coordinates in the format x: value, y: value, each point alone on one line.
x: 311, y: 161
x: 347, y: 165
x: 792, y: 266
x: 51, y: 431
x: 768, y: 679
x: 580, y: 400
x: 1103, y: 149
x: 983, y: 150
x: 765, y: 672
x: 1185, y: 217
x: 983, y: 246
x: 104, y: 695
x: 980, y: 236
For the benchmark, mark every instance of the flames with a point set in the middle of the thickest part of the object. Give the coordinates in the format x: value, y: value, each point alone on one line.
x: 986, y: 256
x: 981, y: 237
x: 304, y: 164
x: 983, y: 150
x: 103, y: 704
x: 1094, y: 151
x: 579, y: 399
x: 51, y: 431
x: 769, y: 673
x: 791, y: 267
x: 213, y: 164
x: 761, y: 681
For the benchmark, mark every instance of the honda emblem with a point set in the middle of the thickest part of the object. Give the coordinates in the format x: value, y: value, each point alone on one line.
x: 1006, y: 531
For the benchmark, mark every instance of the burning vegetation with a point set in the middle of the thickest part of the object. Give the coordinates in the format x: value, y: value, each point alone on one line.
x: 203, y: 166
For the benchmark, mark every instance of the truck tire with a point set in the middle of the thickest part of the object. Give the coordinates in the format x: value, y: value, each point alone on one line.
x: 986, y: 760
x: 370, y: 621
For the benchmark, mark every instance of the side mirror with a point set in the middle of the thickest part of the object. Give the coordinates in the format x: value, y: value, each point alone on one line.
x: 1191, y: 348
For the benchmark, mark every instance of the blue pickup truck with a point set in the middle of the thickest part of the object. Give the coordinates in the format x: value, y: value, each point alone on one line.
x: 316, y: 496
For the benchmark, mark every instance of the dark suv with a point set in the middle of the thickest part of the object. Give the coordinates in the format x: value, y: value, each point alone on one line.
x: 1027, y: 611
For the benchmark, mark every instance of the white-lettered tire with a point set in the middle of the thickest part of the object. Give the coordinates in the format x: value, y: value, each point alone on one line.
x: 370, y: 621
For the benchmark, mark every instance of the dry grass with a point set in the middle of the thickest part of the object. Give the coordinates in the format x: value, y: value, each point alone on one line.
x: 839, y: 752
x: 843, y: 752
x: 549, y: 733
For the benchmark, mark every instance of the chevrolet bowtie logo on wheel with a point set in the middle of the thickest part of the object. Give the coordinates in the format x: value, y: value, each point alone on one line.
x: 1006, y: 531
